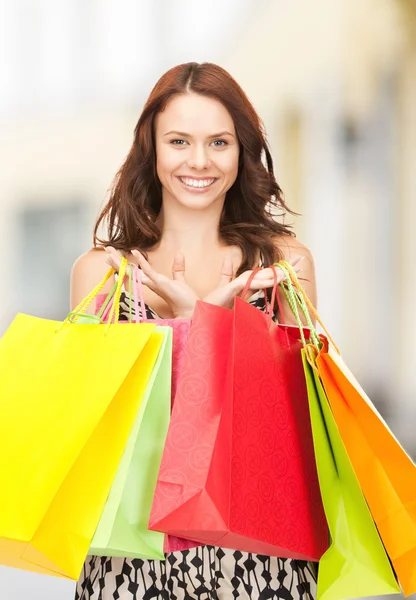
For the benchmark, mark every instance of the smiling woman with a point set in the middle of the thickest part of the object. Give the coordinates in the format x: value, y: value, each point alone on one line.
x: 197, y: 185
x: 199, y: 124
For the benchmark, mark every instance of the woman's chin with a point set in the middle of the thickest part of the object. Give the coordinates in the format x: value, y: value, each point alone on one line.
x: 197, y: 203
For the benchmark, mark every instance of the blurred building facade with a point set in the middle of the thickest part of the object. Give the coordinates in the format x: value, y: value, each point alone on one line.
x: 336, y: 84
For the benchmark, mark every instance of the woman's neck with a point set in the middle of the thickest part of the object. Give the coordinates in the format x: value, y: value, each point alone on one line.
x: 189, y: 231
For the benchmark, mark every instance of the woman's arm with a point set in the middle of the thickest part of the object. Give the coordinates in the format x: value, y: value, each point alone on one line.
x: 291, y: 247
x: 87, y: 271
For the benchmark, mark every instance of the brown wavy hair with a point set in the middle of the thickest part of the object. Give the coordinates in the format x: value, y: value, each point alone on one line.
x: 251, y: 204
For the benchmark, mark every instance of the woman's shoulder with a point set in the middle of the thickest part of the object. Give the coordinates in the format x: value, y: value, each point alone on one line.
x: 93, y: 257
x: 91, y: 264
x: 289, y: 246
x: 87, y: 271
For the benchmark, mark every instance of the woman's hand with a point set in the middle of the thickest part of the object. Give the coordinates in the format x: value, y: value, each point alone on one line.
x: 229, y: 288
x: 179, y: 296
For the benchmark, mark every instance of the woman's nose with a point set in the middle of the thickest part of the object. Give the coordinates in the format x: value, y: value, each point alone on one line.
x: 198, y: 158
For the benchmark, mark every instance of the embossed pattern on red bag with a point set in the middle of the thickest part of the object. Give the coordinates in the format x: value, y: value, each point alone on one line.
x: 196, y: 412
x: 273, y: 443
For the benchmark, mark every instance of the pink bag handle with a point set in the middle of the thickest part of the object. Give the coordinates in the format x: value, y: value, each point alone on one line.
x: 136, y: 293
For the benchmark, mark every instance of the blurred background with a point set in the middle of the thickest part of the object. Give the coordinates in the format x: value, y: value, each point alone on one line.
x: 333, y: 80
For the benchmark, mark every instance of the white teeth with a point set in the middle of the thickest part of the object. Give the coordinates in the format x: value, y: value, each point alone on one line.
x: 197, y: 182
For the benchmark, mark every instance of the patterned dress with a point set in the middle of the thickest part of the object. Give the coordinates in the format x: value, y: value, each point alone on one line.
x: 202, y: 573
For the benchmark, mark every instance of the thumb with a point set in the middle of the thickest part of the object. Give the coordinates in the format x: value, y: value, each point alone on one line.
x: 178, y: 267
x: 227, y: 271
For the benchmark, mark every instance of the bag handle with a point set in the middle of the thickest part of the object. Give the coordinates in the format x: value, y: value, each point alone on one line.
x: 275, y: 292
x: 135, y: 293
x: 104, y: 306
x: 301, y: 298
x: 79, y: 310
x: 115, y: 308
x: 249, y: 282
x: 293, y: 302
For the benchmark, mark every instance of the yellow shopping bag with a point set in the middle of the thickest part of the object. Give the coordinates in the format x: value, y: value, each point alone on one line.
x: 69, y: 394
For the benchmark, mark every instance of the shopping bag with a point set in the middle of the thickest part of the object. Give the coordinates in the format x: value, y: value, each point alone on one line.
x: 180, y: 333
x: 356, y: 564
x: 238, y: 468
x: 66, y: 390
x: 385, y: 472
x: 123, y: 527
x: 180, y: 327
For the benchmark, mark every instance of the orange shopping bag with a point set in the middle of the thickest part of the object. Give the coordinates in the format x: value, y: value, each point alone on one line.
x: 386, y: 474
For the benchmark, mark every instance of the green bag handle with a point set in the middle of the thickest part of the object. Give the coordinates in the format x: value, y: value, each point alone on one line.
x: 107, y: 300
x: 111, y: 293
x: 293, y: 300
x: 297, y: 297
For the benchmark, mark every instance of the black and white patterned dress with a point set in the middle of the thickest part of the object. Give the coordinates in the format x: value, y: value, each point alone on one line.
x: 203, y: 573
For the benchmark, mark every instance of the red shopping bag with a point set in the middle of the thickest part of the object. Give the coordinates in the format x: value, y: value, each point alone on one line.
x: 238, y: 469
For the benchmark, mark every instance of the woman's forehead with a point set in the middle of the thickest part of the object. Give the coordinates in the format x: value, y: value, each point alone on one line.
x: 194, y: 114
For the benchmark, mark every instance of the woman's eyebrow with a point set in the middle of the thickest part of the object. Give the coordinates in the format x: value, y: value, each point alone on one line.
x: 215, y: 135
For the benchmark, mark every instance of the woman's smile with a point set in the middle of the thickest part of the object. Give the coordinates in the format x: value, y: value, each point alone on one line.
x: 199, y: 185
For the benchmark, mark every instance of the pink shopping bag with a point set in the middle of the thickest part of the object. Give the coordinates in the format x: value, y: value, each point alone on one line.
x: 180, y: 334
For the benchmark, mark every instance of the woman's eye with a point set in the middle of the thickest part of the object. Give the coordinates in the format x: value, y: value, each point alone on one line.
x: 177, y: 142
x: 222, y: 142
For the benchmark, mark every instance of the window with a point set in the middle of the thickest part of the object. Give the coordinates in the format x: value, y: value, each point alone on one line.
x: 50, y: 239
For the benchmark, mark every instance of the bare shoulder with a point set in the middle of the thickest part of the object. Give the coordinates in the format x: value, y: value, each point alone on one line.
x: 289, y: 247
x: 87, y: 271
x: 93, y: 258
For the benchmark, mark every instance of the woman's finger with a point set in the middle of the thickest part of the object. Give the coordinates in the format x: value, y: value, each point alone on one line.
x: 296, y: 260
x: 267, y: 275
x: 113, y: 258
x: 178, y: 267
x: 142, y: 277
x: 113, y: 264
x: 262, y: 283
x: 227, y: 271
x: 144, y: 265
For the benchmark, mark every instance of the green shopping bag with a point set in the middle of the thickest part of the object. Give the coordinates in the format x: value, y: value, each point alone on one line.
x: 123, y: 527
x: 356, y: 563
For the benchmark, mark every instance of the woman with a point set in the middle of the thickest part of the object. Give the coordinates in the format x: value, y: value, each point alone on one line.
x: 197, y: 190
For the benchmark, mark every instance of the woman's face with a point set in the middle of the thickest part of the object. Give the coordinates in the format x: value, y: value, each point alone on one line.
x: 196, y: 150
